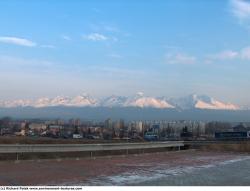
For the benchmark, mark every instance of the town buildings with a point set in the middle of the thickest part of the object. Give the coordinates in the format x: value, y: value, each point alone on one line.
x: 116, y: 129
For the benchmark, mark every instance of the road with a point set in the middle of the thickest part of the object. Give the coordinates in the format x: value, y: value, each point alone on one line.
x: 47, y: 148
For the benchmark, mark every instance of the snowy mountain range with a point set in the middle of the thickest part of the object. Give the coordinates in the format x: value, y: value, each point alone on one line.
x: 139, y: 100
x: 202, y: 102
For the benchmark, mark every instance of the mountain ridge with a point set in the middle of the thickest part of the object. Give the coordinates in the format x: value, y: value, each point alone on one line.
x: 192, y: 101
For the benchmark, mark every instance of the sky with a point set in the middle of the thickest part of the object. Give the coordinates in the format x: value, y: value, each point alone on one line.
x: 167, y: 48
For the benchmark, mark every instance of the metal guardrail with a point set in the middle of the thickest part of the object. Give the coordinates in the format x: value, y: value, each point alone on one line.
x: 47, y: 148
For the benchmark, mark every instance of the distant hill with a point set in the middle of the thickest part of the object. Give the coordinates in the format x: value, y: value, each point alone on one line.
x: 127, y: 113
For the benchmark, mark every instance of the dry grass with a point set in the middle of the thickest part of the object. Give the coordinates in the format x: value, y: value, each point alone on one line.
x: 234, y: 147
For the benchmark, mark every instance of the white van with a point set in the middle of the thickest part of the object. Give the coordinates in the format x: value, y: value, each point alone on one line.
x: 77, y: 136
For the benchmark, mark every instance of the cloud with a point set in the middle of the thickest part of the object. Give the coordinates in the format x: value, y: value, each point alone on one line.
x: 105, y: 27
x: 22, y: 62
x: 180, y: 58
x: 48, y: 46
x: 224, y: 55
x: 227, y: 55
x: 241, y: 9
x: 22, y: 42
x: 111, y: 28
x: 115, y: 30
x: 95, y: 37
x: 245, y: 53
x: 65, y: 37
x: 17, y: 41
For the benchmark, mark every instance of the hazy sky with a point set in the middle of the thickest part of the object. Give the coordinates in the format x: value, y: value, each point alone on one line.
x: 162, y: 48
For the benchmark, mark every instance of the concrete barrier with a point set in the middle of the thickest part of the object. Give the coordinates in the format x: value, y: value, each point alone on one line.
x: 48, y: 148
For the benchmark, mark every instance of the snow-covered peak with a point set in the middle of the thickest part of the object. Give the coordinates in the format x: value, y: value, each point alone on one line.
x: 83, y: 100
x: 42, y: 102
x: 202, y: 102
x: 16, y: 103
x: 59, y: 101
x: 214, y: 104
x: 139, y: 94
x: 149, y: 102
x: 113, y: 101
x: 139, y: 100
x: 144, y: 101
